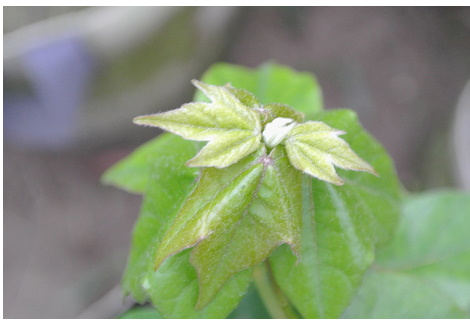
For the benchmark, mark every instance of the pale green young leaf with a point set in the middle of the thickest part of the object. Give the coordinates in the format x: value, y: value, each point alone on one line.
x: 195, y: 121
x: 232, y: 129
x: 315, y: 148
x: 225, y: 97
x: 226, y: 149
x: 270, y: 83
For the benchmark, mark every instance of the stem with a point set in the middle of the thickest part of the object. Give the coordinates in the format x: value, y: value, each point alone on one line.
x: 273, y: 298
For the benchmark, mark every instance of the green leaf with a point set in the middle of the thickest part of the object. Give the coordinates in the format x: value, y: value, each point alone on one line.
x: 235, y: 217
x: 131, y: 173
x: 341, y: 227
x: 233, y: 129
x: 314, y: 147
x: 424, y: 272
x: 244, y: 96
x: 168, y: 182
x: 281, y: 110
x: 270, y: 83
x: 173, y: 288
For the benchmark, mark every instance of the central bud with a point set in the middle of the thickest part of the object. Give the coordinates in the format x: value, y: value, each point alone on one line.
x: 276, y: 131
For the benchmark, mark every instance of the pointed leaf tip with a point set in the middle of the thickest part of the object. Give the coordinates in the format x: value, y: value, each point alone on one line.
x: 140, y: 120
x: 316, y: 148
x: 228, y: 123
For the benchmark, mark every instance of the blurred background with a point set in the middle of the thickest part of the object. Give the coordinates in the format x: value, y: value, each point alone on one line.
x: 74, y: 77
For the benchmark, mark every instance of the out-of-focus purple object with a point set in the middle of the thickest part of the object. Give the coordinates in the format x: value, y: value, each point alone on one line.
x: 59, y: 71
x: 55, y: 58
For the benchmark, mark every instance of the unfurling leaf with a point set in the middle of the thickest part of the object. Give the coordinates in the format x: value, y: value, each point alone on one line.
x: 235, y: 218
x: 232, y: 128
x: 314, y: 147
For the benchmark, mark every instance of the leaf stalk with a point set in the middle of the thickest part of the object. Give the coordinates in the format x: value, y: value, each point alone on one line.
x: 271, y: 294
